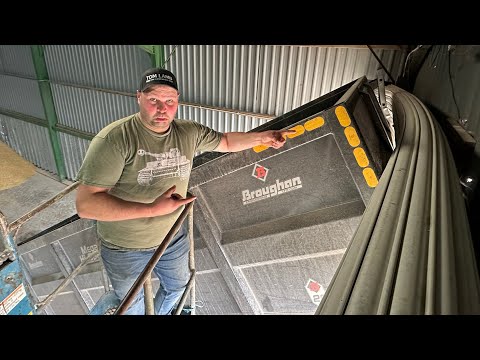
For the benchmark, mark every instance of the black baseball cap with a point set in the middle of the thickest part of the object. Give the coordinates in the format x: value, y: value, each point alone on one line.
x: 156, y: 76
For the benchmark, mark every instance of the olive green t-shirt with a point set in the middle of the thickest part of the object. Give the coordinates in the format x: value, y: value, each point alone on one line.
x: 139, y: 165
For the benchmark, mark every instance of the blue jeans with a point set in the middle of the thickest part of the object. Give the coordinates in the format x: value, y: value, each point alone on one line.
x: 123, y: 268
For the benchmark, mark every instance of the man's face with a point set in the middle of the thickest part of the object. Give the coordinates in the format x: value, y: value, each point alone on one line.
x: 158, y: 107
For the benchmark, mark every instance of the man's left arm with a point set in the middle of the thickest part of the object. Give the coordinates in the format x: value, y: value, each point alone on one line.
x: 238, y: 141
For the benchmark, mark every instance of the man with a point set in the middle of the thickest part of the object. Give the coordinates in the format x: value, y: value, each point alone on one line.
x: 134, y: 182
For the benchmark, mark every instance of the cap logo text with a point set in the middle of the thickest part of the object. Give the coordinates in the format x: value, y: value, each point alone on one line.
x: 159, y: 76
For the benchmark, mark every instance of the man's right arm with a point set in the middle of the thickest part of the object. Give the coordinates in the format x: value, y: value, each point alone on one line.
x: 96, y: 203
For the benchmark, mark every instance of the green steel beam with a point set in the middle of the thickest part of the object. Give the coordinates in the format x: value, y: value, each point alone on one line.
x: 48, y: 105
x: 158, y: 57
x: 147, y: 48
x: 156, y: 54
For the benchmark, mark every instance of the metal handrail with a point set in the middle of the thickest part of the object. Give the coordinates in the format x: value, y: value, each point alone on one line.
x: 190, y: 287
x: 6, y: 229
x: 8, y: 239
x: 191, y: 264
x: 412, y: 253
x: 145, y: 277
x: 146, y: 273
x: 20, y: 221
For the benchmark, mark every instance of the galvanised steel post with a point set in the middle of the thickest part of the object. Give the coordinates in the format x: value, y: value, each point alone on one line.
x: 48, y: 105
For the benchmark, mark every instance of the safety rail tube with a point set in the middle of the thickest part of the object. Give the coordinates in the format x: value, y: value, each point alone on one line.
x: 148, y: 298
x: 412, y: 252
x: 191, y: 264
x: 182, y: 300
x: 20, y: 221
x: 137, y: 285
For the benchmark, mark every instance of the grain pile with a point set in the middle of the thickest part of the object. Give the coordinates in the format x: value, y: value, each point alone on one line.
x: 14, y: 169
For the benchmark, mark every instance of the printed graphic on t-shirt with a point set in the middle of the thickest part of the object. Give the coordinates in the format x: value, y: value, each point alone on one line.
x: 166, y: 165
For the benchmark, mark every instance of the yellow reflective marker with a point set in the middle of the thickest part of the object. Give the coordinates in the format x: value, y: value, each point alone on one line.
x: 360, y: 156
x: 313, y: 124
x: 259, y: 148
x: 352, y: 137
x: 370, y: 177
x: 299, y: 130
x: 342, y: 116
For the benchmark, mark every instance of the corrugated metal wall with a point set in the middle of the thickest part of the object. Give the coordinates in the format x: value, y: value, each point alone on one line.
x: 269, y: 79
x: 93, y: 85
x: 21, y: 95
x: 29, y: 140
x: 264, y: 79
x: 90, y: 110
x: 19, y: 92
x: 74, y: 149
x: 112, y: 67
x: 16, y: 60
x: 436, y: 78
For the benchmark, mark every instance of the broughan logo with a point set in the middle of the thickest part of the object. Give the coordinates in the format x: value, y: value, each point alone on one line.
x: 280, y: 187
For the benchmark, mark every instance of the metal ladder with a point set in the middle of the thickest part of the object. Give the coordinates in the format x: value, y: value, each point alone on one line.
x: 108, y: 304
x: 15, y: 284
